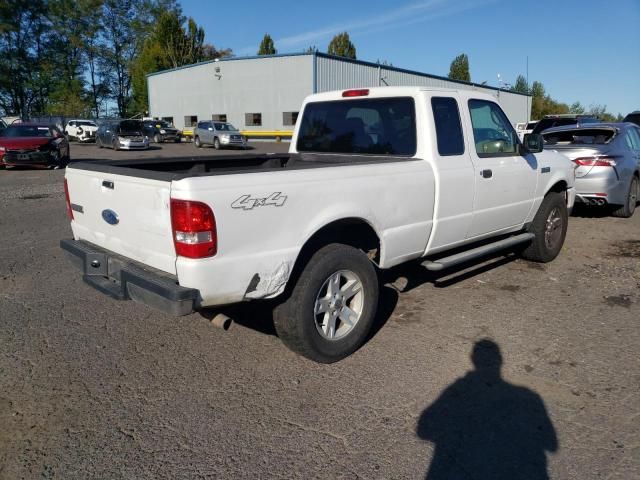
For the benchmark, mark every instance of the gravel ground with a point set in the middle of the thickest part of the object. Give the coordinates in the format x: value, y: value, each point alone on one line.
x: 94, y: 388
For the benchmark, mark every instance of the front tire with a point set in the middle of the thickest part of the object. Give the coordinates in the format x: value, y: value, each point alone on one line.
x: 157, y: 138
x: 196, y: 142
x: 626, y: 210
x: 216, y: 143
x: 332, y: 306
x: 550, y: 229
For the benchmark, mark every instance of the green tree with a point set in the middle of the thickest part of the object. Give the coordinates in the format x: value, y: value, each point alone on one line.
x: 459, y: 69
x: 577, y: 108
x: 341, y: 46
x: 521, y: 85
x: 267, y: 46
x: 25, y: 64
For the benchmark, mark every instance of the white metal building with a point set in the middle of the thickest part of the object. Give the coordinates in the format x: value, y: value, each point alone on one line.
x: 264, y: 93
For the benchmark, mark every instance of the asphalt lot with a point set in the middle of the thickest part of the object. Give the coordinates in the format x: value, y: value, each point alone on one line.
x: 94, y: 388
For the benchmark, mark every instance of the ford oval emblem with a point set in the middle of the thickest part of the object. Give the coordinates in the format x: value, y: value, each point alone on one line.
x: 110, y: 217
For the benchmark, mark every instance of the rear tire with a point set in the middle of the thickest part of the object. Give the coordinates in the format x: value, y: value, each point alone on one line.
x: 550, y: 229
x: 332, y: 306
x: 626, y: 210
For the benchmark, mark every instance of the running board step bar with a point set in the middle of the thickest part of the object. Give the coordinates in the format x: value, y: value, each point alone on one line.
x: 478, y: 252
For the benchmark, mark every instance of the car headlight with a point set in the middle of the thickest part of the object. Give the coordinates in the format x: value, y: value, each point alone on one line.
x: 122, y: 139
x: 225, y: 136
x: 163, y: 131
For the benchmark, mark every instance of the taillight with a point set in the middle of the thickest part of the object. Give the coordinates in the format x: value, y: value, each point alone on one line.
x: 68, y: 200
x: 595, y: 162
x: 194, y: 229
x: 356, y: 93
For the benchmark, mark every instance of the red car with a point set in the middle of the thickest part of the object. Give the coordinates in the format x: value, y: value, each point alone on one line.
x: 33, y: 144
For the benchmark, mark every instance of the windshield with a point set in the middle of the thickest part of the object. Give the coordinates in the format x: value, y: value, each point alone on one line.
x: 585, y: 136
x: 85, y: 123
x: 160, y: 124
x: 382, y: 126
x: 26, y: 131
x: 224, y: 127
x: 130, y: 126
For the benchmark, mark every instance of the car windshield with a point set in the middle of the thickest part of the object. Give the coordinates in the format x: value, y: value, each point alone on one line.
x: 130, y: 126
x: 224, y: 127
x: 26, y: 131
x: 580, y: 136
x: 85, y: 123
x: 531, y: 125
x: 379, y: 126
x: 160, y: 124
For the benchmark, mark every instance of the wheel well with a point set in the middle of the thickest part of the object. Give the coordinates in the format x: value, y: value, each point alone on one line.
x: 559, y: 187
x: 349, y: 231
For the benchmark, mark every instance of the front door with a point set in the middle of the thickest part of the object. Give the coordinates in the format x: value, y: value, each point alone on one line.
x: 505, y: 181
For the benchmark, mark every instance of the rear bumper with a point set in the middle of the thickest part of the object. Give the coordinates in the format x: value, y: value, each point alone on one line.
x: 125, y: 279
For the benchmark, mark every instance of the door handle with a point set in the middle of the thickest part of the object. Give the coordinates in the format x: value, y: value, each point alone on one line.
x: 486, y: 173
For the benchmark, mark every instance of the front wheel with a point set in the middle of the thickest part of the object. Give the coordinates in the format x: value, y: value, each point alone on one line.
x: 550, y: 229
x: 157, y: 138
x: 332, y: 306
x: 196, y: 142
x: 626, y: 210
x: 216, y: 143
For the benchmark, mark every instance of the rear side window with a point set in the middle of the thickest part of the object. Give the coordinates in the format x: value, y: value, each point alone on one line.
x: 448, y: 127
x: 377, y: 126
x: 492, y: 132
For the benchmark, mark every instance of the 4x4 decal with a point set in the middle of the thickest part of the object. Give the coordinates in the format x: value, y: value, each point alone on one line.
x: 247, y: 202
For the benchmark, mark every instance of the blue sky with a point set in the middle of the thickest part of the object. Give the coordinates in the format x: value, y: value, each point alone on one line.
x: 581, y: 50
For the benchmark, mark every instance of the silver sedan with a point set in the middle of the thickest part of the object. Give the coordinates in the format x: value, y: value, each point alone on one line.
x: 607, y: 160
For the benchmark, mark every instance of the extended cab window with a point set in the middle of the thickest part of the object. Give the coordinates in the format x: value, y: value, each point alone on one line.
x: 378, y: 126
x: 448, y: 128
x: 493, y: 134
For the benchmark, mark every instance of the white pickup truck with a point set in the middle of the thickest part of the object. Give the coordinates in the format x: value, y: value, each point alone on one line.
x: 374, y: 178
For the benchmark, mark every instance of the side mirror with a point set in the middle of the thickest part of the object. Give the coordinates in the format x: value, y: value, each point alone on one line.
x: 533, y: 143
x: 210, y: 129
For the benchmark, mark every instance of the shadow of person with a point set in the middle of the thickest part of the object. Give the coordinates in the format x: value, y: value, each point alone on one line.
x: 487, y: 429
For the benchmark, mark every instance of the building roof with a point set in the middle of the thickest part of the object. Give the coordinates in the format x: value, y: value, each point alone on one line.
x: 342, y: 59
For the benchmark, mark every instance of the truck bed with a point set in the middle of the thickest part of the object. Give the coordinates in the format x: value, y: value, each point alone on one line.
x: 171, y: 169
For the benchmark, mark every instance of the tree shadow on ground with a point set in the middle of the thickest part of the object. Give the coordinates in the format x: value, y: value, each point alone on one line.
x: 486, y: 428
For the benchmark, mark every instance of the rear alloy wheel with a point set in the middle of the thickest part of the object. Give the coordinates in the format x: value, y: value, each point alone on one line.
x: 550, y: 229
x: 332, y: 306
x: 216, y: 143
x: 196, y: 142
x: 626, y: 210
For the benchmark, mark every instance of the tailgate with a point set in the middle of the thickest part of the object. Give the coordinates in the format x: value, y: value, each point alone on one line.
x: 126, y: 215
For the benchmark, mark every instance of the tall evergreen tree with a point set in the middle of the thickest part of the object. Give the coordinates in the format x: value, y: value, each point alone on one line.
x: 521, y: 85
x: 341, y: 46
x: 459, y: 69
x: 267, y: 46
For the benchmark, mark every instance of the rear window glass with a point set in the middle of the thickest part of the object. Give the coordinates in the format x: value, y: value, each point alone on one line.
x: 591, y: 136
x: 378, y: 126
x: 448, y: 127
